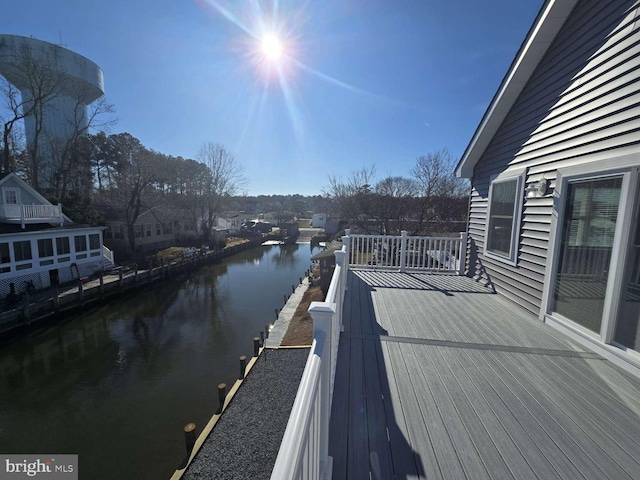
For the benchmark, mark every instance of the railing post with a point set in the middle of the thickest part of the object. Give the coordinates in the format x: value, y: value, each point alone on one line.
x: 346, y: 242
x: 342, y: 261
x: 403, y: 251
x: 462, y: 256
x: 322, y: 315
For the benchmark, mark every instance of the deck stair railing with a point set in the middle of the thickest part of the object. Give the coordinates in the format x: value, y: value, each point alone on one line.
x: 304, y: 451
x: 402, y: 253
x: 108, y: 257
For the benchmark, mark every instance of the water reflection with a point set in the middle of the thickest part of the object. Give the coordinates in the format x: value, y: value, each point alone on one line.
x: 117, y: 385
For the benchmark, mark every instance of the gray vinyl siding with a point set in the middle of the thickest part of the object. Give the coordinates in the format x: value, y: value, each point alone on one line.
x: 582, y: 100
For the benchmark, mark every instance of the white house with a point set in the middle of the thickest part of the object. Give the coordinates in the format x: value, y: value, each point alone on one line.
x: 230, y: 221
x: 318, y: 220
x: 39, y: 244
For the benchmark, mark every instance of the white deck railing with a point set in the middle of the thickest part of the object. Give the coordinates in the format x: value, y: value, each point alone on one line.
x: 304, y: 451
x: 108, y: 255
x: 25, y: 213
x: 402, y: 253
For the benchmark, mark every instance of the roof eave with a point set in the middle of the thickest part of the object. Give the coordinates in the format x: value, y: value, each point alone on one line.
x: 550, y: 19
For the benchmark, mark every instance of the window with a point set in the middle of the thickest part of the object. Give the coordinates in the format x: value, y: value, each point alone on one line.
x: 62, y: 246
x: 11, y: 196
x: 503, y: 218
x: 158, y: 229
x: 137, y: 229
x: 80, y: 243
x: 22, y: 250
x: 148, y: 229
x: 4, y: 258
x: 118, y: 232
x: 45, y: 247
x: 94, y: 241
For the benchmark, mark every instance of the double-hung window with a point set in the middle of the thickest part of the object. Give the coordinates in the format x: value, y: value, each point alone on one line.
x: 503, y: 217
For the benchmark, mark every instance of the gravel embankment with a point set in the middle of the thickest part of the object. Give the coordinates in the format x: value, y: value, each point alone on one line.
x: 245, y: 442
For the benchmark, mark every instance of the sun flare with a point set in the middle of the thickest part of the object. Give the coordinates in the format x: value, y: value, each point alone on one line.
x: 271, y: 47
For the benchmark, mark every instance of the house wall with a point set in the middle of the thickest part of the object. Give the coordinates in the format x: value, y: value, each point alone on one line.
x: 26, y: 198
x: 581, y: 104
x: 69, y: 265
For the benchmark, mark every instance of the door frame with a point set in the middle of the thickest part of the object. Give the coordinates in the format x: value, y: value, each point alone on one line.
x: 629, y: 167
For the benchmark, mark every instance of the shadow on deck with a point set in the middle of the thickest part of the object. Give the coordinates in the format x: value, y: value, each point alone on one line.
x: 439, y: 378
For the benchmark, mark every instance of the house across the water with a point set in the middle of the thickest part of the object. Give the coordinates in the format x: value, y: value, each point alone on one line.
x: 39, y: 245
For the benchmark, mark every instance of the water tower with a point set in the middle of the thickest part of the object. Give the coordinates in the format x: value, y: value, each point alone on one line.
x: 79, y: 83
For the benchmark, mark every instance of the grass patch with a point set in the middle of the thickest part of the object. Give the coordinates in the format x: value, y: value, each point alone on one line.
x: 300, y: 331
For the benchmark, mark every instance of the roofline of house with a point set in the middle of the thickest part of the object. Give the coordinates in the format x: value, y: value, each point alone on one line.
x: 546, y: 26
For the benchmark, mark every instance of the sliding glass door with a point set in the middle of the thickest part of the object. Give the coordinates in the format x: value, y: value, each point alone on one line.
x: 627, y: 328
x: 586, y: 245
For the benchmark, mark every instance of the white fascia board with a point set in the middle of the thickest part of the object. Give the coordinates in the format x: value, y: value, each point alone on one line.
x: 550, y: 19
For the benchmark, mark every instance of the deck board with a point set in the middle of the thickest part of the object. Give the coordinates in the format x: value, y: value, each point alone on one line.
x: 438, y: 377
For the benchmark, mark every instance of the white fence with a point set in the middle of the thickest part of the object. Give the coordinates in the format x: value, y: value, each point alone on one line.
x: 31, y: 212
x: 435, y: 254
x: 304, y: 451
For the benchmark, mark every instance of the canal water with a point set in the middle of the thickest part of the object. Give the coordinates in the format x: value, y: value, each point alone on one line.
x: 118, y: 384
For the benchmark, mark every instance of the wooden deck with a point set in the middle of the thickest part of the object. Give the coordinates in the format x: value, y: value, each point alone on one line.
x: 437, y: 377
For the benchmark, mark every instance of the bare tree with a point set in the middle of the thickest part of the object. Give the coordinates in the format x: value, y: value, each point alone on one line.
x: 393, y: 203
x: 434, y: 173
x: 69, y: 169
x: 226, y: 179
x: 352, y: 197
x: 40, y: 84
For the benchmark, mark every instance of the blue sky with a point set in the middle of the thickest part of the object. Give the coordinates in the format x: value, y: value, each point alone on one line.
x: 360, y: 83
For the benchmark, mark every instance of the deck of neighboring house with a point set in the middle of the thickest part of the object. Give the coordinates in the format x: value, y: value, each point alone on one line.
x: 437, y: 377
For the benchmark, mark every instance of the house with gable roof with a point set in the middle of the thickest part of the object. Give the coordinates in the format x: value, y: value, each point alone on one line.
x: 554, y: 220
x: 41, y: 246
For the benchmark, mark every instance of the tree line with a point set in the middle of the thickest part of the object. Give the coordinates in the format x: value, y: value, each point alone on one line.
x: 431, y: 201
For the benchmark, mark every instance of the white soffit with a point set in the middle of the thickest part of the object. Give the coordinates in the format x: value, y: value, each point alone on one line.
x: 548, y: 23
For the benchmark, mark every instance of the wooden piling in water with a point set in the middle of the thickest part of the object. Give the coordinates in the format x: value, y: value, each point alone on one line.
x: 56, y: 300
x: 25, y: 308
x: 101, y: 286
x: 222, y: 393
x: 267, y: 328
x: 80, y: 292
x: 262, y: 339
x: 256, y: 346
x: 243, y: 366
x: 189, y: 437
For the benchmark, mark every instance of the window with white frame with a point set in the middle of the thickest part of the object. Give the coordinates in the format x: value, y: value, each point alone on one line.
x: 94, y: 241
x: 503, y: 217
x: 22, y: 252
x: 11, y: 196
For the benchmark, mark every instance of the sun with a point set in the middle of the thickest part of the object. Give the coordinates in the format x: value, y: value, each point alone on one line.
x: 271, y: 47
